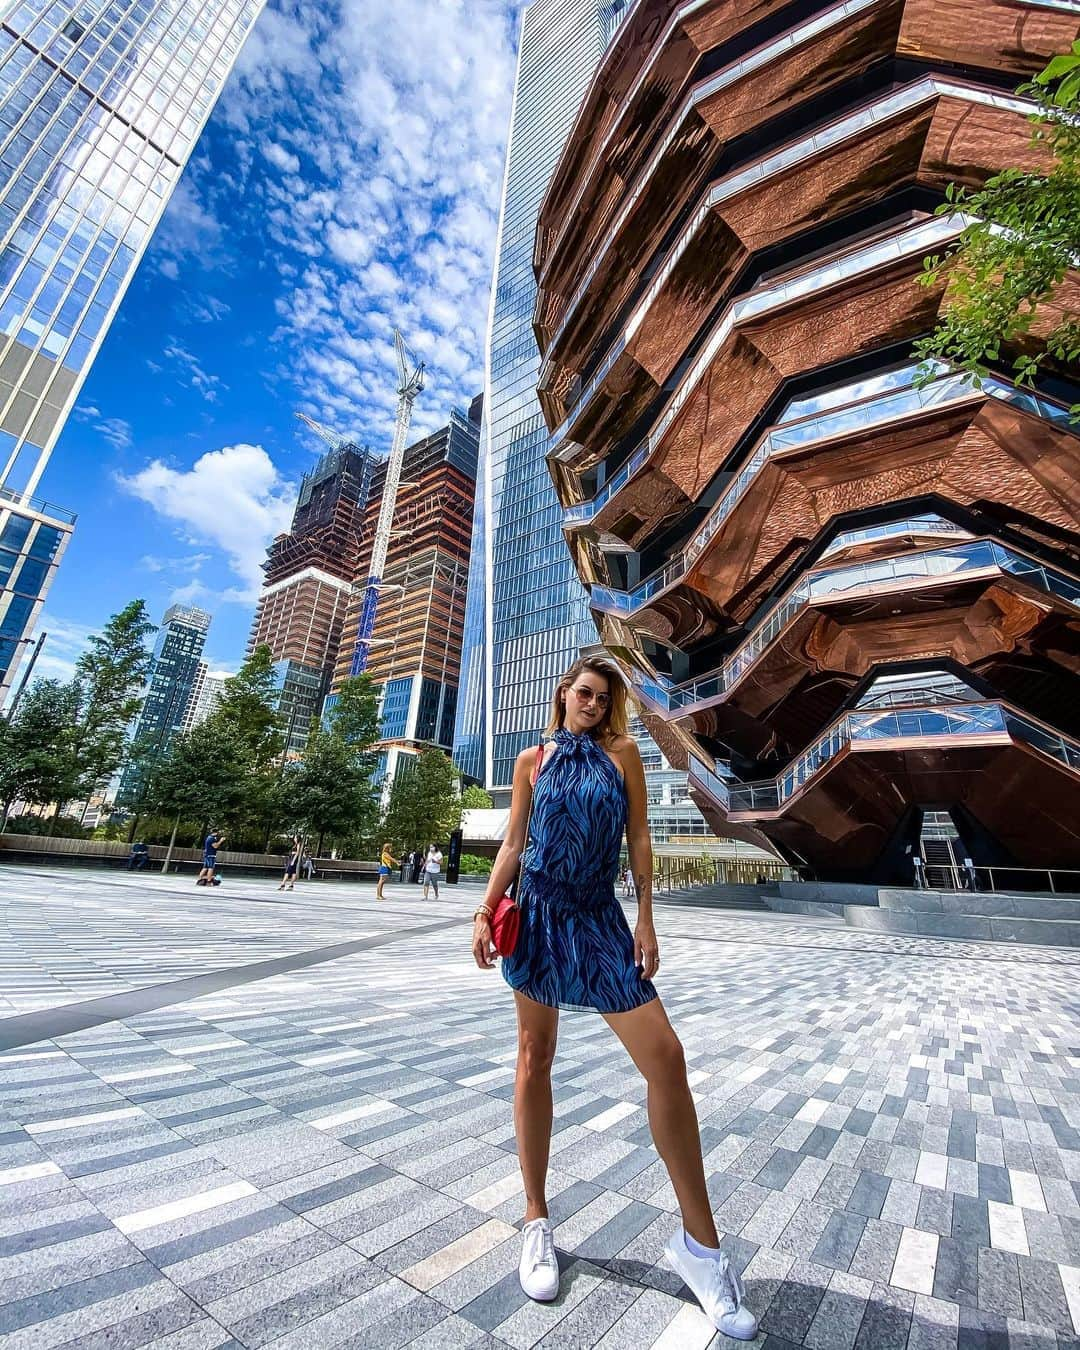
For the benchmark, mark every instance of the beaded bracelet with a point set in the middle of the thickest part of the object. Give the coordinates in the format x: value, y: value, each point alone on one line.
x: 484, y: 910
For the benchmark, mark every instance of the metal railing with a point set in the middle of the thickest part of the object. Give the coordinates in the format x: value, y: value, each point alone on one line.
x: 993, y: 722
x: 673, y: 874
x: 882, y: 109
x: 949, y: 877
x: 874, y: 411
x: 60, y: 514
x: 731, y: 74
x: 937, y: 566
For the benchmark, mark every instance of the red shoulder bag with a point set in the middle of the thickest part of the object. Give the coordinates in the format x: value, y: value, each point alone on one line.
x: 506, y: 917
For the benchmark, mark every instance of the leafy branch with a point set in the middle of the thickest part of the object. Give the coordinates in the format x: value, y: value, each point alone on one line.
x: 1023, y: 240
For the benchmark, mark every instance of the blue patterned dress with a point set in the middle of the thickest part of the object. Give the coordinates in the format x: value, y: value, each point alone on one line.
x: 575, y: 949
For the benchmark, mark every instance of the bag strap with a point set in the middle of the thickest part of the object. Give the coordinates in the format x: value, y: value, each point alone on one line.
x: 528, y: 825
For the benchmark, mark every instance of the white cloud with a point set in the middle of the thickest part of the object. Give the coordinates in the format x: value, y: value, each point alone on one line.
x: 392, y: 219
x: 205, y: 308
x: 188, y: 230
x: 233, y: 499
x: 276, y: 154
x: 64, y: 644
x: 114, y: 430
x: 191, y: 372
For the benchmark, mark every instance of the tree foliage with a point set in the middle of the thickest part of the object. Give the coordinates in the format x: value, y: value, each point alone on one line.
x: 1022, y: 241
x: 328, y: 791
x: 424, y: 806
x: 202, y: 776
x: 248, y: 704
x: 247, y: 720
x: 108, y: 685
x: 36, y: 758
x: 476, y: 799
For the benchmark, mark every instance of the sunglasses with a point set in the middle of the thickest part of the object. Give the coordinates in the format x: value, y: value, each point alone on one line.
x: 590, y: 696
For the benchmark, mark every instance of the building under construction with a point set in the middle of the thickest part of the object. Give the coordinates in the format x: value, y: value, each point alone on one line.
x: 416, y: 649
x: 309, y: 577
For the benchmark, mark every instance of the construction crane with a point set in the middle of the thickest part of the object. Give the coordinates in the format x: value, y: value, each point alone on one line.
x: 410, y: 383
x: 332, y: 439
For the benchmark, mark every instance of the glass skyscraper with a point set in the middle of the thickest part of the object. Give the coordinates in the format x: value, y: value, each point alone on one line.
x: 101, y: 103
x: 527, y: 616
x: 172, y: 683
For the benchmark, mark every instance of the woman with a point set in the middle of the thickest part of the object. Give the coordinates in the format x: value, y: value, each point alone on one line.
x: 386, y: 862
x: 432, y: 869
x: 575, y: 950
x: 292, y: 863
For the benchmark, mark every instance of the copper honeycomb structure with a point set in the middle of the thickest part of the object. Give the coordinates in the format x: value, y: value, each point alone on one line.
x: 843, y: 598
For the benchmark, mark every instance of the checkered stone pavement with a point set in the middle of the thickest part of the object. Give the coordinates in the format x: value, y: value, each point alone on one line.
x: 243, y: 1119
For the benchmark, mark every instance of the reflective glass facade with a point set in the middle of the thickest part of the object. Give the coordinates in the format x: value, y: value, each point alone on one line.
x: 299, y: 700
x: 527, y: 615
x: 172, y: 682
x: 33, y: 536
x: 101, y: 103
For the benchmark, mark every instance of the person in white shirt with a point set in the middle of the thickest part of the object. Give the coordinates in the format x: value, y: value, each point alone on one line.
x: 432, y: 868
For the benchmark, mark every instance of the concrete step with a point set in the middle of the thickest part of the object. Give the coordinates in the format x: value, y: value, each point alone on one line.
x: 1002, y: 905
x: 727, y: 895
x: 981, y: 927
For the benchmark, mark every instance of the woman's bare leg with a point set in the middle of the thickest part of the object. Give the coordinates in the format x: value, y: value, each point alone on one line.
x: 652, y: 1044
x: 538, y: 1029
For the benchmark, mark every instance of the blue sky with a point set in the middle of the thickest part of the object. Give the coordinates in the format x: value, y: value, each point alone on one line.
x: 348, y: 180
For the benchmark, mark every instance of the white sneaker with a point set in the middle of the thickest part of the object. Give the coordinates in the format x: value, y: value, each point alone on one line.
x: 716, y: 1286
x: 538, y: 1270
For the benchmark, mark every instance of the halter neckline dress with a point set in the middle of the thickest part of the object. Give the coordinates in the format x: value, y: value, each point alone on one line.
x: 574, y: 948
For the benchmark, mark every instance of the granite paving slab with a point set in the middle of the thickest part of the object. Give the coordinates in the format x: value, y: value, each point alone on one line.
x: 322, y: 1152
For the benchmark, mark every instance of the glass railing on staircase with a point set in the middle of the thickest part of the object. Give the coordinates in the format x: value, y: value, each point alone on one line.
x: 875, y: 412
x: 967, y: 722
x: 939, y: 565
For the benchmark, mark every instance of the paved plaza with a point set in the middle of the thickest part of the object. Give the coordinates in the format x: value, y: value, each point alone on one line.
x: 241, y: 1118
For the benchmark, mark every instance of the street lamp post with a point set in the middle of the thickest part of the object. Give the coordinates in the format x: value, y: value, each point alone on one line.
x: 25, y: 677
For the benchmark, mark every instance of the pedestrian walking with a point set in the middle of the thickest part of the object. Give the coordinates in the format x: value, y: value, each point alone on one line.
x: 432, y: 868
x: 386, y: 862
x: 628, y: 883
x: 307, y: 866
x: 573, y: 796
x: 917, y: 865
x: 292, y: 864
x: 416, y: 866
x: 211, y: 844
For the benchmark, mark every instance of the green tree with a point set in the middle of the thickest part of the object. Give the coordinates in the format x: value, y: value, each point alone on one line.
x: 108, y: 684
x: 328, y: 792
x: 476, y: 799
x: 36, y: 761
x: 1022, y: 242
x: 202, y: 777
x: 248, y: 703
x: 140, y: 757
x: 424, y: 806
x: 354, y: 716
x: 247, y: 712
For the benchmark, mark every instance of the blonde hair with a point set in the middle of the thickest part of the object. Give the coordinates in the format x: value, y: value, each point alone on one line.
x: 615, y: 720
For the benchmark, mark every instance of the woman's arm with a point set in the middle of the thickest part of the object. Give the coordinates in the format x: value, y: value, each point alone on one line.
x: 639, y: 847
x: 508, y: 858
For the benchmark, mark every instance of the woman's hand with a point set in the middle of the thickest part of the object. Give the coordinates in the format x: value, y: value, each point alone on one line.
x: 646, y: 949
x: 483, y: 944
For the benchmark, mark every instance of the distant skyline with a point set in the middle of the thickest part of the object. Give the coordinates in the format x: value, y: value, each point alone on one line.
x: 347, y: 182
